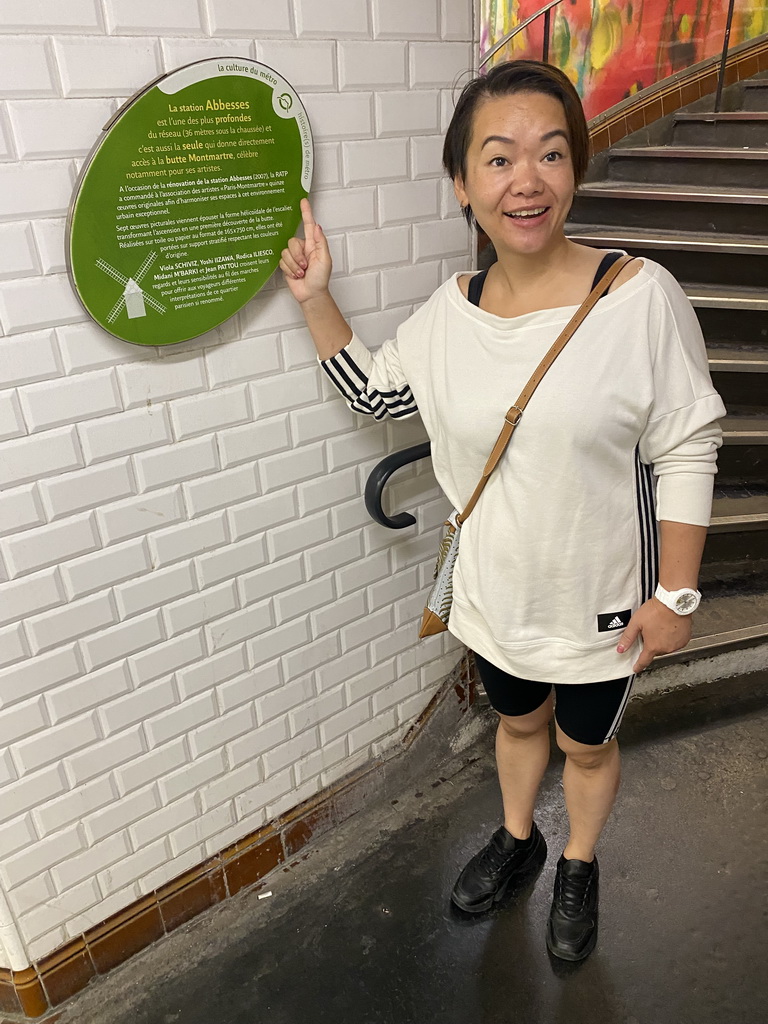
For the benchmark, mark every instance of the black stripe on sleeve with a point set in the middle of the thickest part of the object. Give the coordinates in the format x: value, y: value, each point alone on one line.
x: 350, y: 380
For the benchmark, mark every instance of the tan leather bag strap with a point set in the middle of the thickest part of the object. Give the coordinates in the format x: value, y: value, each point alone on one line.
x: 516, y: 411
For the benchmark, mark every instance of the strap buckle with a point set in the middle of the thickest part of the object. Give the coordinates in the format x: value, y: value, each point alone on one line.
x: 516, y: 419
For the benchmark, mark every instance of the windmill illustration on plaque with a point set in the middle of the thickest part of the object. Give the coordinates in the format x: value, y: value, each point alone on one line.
x: 134, y: 299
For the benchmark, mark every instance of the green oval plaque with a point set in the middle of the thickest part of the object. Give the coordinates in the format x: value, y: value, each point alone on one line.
x: 183, y: 207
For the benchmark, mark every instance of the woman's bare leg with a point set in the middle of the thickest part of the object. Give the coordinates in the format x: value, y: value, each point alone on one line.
x: 591, y: 781
x: 522, y: 754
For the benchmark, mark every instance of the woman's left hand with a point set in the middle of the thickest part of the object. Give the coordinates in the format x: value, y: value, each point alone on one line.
x: 662, y: 631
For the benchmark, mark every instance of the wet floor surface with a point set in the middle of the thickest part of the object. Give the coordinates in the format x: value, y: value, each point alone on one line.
x: 362, y: 930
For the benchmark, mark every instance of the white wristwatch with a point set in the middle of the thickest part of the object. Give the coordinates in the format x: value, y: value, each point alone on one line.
x: 682, y: 602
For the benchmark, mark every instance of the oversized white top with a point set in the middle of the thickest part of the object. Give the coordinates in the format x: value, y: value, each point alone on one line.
x: 562, y: 545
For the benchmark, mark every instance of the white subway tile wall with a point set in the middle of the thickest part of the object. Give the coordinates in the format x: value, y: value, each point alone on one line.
x: 200, y: 626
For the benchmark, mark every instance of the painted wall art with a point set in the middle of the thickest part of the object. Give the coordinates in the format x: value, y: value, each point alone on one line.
x: 611, y: 49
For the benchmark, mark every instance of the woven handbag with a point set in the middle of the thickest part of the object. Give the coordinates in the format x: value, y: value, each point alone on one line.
x: 438, y: 607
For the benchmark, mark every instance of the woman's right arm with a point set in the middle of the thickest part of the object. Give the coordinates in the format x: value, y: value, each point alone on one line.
x: 371, y: 385
x: 306, y: 265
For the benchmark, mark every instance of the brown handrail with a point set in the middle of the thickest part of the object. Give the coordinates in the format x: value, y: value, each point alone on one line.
x: 724, y: 56
x: 546, y: 11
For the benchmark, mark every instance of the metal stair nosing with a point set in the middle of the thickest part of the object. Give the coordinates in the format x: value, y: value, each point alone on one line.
x: 691, y: 152
x: 743, y: 430
x: 726, y: 116
x: 590, y: 234
x: 670, y: 193
x: 721, y: 360
x: 710, y: 296
x: 739, y: 523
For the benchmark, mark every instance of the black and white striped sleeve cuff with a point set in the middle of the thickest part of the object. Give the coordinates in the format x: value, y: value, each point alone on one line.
x: 350, y: 370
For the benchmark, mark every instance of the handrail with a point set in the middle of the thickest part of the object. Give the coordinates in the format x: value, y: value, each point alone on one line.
x: 545, y: 10
x: 724, y: 56
x: 379, y: 475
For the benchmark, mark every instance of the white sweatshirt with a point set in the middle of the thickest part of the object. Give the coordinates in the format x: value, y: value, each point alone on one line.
x: 562, y: 546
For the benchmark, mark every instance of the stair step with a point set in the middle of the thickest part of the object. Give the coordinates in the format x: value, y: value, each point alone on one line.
x: 737, y: 535
x: 739, y: 376
x: 716, y: 643
x: 706, y: 258
x: 723, y: 211
x: 673, y: 193
x: 743, y: 457
x: 745, y: 430
x: 735, y: 128
x: 723, y: 116
x: 691, y: 153
x: 689, y: 241
x: 733, y: 514
x: 755, y: 95
x: 737, y: 325
x: 742, y: 460
x: 725, y: 621
x: 727, y: 360
x: 736, y: 360
x: 731, y: 298
x: 695, y: 165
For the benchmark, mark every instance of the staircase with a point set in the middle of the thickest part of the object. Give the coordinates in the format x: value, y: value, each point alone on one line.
x: 691, y: 193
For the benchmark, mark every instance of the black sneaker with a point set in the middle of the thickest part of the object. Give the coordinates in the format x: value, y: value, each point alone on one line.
x: 572, y: 927
x: 505, y: 860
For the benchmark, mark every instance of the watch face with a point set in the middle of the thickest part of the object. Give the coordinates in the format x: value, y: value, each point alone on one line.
x: 686, y: 603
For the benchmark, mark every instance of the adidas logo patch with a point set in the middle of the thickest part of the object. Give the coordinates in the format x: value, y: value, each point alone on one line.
x: 613, y: 620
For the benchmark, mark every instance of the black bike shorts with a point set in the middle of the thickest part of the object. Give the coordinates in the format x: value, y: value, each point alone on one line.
x: 588, y: 713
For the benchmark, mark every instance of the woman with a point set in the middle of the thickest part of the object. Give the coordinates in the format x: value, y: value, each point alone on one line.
x: 555, y: 586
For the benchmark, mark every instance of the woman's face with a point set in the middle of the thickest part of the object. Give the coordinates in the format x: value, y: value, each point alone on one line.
x: 519, y: 179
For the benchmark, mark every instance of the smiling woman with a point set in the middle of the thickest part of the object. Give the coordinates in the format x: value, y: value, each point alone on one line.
x: 529, y: 78
x: 517, y: 149
x: 519, y: 185
x: 555, y: 580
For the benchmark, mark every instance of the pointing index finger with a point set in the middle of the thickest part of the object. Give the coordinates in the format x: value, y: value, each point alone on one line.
x: 306, y: 216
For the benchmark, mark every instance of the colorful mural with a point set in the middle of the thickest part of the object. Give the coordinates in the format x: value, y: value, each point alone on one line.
x: 613, y: 48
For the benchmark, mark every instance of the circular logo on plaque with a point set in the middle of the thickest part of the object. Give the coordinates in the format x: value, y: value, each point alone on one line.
x: 184, y: 205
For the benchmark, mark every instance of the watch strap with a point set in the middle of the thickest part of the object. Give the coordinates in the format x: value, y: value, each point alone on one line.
x: 667, y: 597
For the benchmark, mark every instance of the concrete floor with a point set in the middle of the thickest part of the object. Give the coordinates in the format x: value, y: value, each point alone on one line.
x: 361, y: 931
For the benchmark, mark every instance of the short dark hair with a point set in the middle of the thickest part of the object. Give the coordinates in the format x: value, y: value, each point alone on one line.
x: 504, y: 79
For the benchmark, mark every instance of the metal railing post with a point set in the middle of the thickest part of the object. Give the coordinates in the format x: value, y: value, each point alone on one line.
x: 724, y: 57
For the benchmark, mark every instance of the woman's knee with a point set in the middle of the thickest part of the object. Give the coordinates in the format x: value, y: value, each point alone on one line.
x: 587, y: 757
x: 523, y: 726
